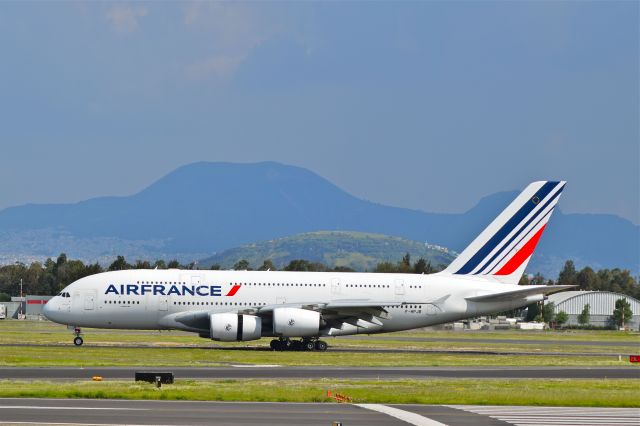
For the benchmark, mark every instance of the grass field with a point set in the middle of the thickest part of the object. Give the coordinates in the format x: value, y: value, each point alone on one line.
x: 593, y: 393
x: 166, y: 349
x: 120, y: 348
x: 194, y: 357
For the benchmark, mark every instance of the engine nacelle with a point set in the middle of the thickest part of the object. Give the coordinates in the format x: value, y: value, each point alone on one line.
x: 235, y: 327
x: 294, y: 322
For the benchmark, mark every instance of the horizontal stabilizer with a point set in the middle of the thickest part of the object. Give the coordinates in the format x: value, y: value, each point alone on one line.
x: 519, y: 294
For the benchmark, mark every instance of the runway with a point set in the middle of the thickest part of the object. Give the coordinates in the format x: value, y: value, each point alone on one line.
x: 486, y: 340
x: 625, y: 352
x: 118, y: 412
x: 286, y: 372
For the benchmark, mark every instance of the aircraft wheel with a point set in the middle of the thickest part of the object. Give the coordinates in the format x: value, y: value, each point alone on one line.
x: 275, y: 345
x: 321, y: 345
x: 297, y: 345
x: 309, y: 345
x: 286, y: 345
x: 78, y: 341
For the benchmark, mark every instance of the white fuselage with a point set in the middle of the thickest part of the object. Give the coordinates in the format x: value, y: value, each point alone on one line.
x: 151, y: 299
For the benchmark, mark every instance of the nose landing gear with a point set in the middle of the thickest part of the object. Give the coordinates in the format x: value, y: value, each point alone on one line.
x: 306, y: 344
x: 78, y: 341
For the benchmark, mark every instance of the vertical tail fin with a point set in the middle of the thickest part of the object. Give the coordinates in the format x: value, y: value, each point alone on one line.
x: 504, y: 248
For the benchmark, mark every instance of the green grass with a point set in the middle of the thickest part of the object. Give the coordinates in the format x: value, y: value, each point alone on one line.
x: 174, y: 348
x: 592, y: 393
x: 112, y: 356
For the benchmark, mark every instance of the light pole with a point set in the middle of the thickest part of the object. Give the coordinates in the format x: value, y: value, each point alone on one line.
x: 20, y: 310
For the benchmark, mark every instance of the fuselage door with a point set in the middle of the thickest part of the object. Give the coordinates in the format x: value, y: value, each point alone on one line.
x: 89, y: 299
x: 399, y: 287
x: 163, y: 303
x: 335, y: 285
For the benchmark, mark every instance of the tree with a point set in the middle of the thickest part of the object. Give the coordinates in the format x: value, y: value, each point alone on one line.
x: 533, y: 311
x: 385, y: 267
x: 215, y: 267
x: 587, y: 279
x: 61, y: 260
x: 547, y: 312
x: 585, y: 315
x: 4, y: 297
x: 404, y: 266
x: 142, y: 264
x: 119, y: 264
x: 568, y: 275
x: 173, y: 264
x: 267, y: 265
x: 304, y: 265
x: 537, y: 279
x: 561, y: 317
x: 241, y: 265
x: 422, y: 267
x: 622, y: 313
x: 343, y: 269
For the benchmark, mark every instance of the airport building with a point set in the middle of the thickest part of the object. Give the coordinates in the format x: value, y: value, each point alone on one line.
x: 601, y: 306
x: 30, y: 306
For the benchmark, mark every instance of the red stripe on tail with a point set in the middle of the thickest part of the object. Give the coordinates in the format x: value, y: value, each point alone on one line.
x: 522, y: 255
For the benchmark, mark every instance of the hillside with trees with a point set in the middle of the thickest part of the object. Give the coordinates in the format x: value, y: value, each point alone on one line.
x: 354, y: 250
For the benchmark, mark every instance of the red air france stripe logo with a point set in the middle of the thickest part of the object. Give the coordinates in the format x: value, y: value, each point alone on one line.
x: 522, y: 254
x: 234, y: 290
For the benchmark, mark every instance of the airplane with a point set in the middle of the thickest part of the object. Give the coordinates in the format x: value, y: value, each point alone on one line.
x: 297, y: 309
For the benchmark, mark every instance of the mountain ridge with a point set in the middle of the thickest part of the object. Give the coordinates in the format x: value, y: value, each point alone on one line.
x: 204, y: 208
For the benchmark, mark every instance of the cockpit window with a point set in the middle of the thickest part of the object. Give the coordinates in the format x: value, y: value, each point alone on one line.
x: 64, y: 294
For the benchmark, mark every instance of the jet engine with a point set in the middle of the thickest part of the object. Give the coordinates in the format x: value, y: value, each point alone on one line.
x: 294, y: 322
x: 235, y: 327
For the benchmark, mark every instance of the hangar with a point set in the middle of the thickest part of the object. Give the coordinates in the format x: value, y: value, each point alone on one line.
x: 601, y: 306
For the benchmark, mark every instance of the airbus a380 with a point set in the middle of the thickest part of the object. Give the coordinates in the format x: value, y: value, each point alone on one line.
x: 306, y: 306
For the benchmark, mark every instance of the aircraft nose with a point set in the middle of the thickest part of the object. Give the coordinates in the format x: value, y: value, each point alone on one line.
x: 51, y: 309
x: 46, y: 309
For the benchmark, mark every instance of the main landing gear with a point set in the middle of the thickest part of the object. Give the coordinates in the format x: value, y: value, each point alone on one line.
x: 78, y: 341
x: 287, y: 344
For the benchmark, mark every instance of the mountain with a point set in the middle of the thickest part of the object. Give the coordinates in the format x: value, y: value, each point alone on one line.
x: 204, y: 208
x: 357, y: 250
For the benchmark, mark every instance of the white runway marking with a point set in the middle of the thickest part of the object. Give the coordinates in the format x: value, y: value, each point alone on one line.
x: 405, y: 416
x: 565, y: 416
x: 255, y: 365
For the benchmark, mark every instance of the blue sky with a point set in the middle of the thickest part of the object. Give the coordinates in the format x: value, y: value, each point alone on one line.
x: 428, y: 105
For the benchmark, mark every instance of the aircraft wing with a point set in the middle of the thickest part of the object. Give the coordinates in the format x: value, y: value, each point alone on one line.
x: 363, y: 314
x: 349, y: 316
x: 519, y: 294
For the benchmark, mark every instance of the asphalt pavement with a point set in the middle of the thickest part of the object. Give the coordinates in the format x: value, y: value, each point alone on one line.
x: 119, y: 412
x: 241, y: 371
x: 624, y: 351
x: 501, y: 341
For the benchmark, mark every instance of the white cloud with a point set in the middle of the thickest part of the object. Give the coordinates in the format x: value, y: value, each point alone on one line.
x: 124, y: 19
x: 235, y: 31
x: 218, y: 66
